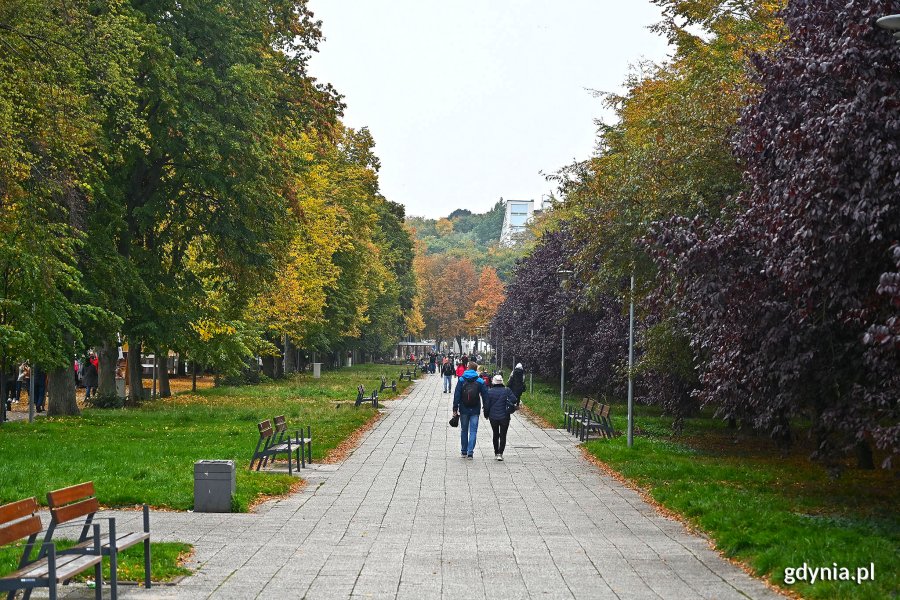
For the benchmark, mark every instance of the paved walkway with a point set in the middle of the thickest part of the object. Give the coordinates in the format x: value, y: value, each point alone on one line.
x: 406, y: 517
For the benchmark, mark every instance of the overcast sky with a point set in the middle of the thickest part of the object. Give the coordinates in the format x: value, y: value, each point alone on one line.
x: 469, y: 100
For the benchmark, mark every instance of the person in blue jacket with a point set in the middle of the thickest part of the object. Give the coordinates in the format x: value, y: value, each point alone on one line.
x: 470, y: 391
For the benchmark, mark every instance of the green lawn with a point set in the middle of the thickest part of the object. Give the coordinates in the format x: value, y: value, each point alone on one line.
x: 165, y: 564
x: 770, y: 510
x: 143, y: 455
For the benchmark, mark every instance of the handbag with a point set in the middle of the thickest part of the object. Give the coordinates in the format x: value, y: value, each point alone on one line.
x: 454, y: 421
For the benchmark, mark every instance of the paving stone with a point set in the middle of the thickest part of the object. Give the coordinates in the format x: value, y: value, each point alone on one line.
x: 404, y: 517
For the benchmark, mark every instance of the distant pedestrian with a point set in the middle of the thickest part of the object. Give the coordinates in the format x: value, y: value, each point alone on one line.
x: 460, y: 369
x: 447, y: 373
x: 22, y: 381
x: 470, y: 391
x: 26, y: 378
x: 499, y: 404
x: 90, y: 377
x: 517, y: 381
x: 40, y: 387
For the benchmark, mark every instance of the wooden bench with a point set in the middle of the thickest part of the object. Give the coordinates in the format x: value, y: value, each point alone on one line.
x: 597, y: 419
x: 361, y: 396
x: 19, y: 521
x: 573, y: 411
x: 301, y: 440
x: 385, y: 386
x: 407, y: 376
x: 79, y: 501
x: 582, y: 416
x: 267, y: 447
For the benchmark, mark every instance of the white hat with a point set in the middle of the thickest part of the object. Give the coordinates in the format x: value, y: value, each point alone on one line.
x: 519, y: 366
x: 497, y: 380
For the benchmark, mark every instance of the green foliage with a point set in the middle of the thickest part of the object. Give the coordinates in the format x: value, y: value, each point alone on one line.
x: 173, y: 174
x: 98, y: 401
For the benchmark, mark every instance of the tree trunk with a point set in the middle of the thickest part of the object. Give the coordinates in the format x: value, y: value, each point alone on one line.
x: 193, y: 376
x: 268, y: 366
x: 4, y: 393
x: 106, y: 382
x: 459, y: 341
x: 864, y: 457
x: 61, y: 392
x: 279, y: 363
x: 162, y: 370
x: 136, y: 384
x: 181, y: 371
x: 290, y: 356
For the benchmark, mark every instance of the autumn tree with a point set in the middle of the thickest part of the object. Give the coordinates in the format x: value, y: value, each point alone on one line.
x: 490, y: 294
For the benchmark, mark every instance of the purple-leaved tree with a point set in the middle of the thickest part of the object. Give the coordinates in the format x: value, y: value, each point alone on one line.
x: 792, y: 301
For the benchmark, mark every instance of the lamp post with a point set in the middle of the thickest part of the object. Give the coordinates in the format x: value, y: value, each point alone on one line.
x: 630, y: 367
x: 564, y: 275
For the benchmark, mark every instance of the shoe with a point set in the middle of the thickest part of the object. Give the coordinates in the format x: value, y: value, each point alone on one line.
x: 500, y: 457
x: 463, y: 455
x: 469, y: 456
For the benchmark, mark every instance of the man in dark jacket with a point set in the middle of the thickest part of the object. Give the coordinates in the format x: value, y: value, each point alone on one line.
x: 517, y: 381
x: 495, y: 409
x: 470, y: 391
x: 447, y: 372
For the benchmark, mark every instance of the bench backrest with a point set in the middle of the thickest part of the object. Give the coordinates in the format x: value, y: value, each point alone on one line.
x: 72, y: 502
x: 604, y: 410
x: 18, y: 520
x: 280, y: 424
x: 586, y: 404
x: 265, y: 429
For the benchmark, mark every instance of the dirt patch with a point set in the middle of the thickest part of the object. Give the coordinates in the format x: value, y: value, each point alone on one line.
x: 536, y: 418
x: 295, y: 487
x: 340, y: 453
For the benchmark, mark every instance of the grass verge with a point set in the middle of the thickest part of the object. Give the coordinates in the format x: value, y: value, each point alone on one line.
x: 167, y: 564
x: 146, y: 455
x: 767, y: 509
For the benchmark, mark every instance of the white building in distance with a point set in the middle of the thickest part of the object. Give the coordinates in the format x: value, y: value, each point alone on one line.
x: 515, y: 220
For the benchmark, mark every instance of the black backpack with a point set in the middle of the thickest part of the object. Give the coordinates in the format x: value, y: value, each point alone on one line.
x: 471, y: 391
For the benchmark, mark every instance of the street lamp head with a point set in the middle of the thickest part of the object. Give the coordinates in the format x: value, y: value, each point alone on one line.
x: 890, y: 23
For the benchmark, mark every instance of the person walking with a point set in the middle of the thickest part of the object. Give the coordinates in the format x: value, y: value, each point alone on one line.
x: 25, y: 371
x: 517, y: 381
x: 460, y: 369
x: 467, y: 398
x: 447, y: 373
x: 499, y: 404
x: 40, y: 387
x: 22, y: 381
x: 90, y: 377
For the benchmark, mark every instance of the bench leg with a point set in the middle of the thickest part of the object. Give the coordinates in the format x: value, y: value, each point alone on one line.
x: 147, y: 547
x: 302, y: 453
x: 290, y: 458
x: 113, y: 562
x: 51, y: 562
